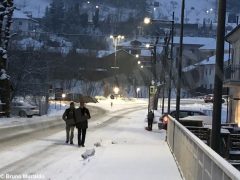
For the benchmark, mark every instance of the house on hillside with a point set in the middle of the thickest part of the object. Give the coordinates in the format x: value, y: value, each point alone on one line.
x: 199, y: 77
x: 232, y: 75
x: 23, y: 24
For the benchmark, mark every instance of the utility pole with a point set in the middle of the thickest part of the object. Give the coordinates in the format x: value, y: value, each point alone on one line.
x: 155, y: 59
x: 218, y: 82
x: 171, y: 64
x: 180, y: 63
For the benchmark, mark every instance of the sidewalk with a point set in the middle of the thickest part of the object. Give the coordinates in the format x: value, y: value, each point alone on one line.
x: 133, y: 153
x: 127, y: 152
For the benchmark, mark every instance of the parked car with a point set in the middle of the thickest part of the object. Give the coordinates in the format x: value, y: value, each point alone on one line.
x: 210, y: 99
x: 162, y: 124
x: 24, y: 109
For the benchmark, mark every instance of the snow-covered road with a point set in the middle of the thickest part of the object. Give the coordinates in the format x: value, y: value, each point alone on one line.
x: 127, y: 151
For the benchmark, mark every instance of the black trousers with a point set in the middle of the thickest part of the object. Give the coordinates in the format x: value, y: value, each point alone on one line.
x: 150, y: 122
x: 81, y: 136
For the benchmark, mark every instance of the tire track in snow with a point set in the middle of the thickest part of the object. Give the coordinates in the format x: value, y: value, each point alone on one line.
x: 32, y: 161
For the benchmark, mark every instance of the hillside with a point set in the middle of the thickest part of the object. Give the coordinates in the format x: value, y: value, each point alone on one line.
x: 195, y: 12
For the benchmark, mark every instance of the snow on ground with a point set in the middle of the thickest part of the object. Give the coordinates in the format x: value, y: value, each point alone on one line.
x: 122, y: 148
x: 56, y: 110
x: 126, y: 150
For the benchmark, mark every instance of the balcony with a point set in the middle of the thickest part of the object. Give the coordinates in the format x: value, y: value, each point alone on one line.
x: 232, y: 75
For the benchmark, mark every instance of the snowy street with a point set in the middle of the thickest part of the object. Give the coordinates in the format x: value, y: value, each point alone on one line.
x: 124, y: 150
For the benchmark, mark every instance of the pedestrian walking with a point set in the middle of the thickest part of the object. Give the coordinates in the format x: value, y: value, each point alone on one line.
x: 82, y: 116
x: 69, y: 118
x: 150, y: 118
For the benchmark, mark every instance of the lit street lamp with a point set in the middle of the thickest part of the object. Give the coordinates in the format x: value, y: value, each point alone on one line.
x: 116, y: 90
x: 138, y: 90
x: 116, y: 39
x: 63, y: 96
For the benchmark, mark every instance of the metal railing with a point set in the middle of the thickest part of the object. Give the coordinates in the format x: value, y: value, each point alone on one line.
x: 195, y: 159
x: 232, y: 72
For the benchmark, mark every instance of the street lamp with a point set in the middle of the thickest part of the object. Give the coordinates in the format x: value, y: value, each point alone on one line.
x: 137, y: 55
x: 63, y: 96
x: 138, y: 89
x: 139, y: 62
x: 116, y: 39
x: 147, y: 20
x: 116, y: 90
x: 142, y: 66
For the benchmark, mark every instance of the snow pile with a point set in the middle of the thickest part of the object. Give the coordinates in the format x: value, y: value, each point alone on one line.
x: 30, y: 43
x: 88, y: 153
x: 3, y: 75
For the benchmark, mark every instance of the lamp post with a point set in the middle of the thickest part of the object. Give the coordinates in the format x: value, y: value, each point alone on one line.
x: 180, y: 62
x: 116, y: 90
x: 63, y: 96
x: 138, y: 90
x: 116, y: 39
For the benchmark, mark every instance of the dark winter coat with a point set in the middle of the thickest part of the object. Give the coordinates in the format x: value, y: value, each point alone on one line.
x: 69, y: 117
x: 82, y: 116
x: 150, y: 115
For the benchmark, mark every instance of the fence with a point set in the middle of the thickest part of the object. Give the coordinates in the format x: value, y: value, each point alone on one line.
x: 196, y: 160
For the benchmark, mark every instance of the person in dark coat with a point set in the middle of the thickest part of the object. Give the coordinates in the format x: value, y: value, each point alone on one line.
x: 150, y: 118
x: 82, y: 116
x: 69, y: 118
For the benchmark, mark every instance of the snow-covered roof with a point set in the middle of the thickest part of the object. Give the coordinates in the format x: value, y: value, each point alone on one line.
x: 210, y: 61
x: 195, y: 40
x: 212, y: 46
x: 103, y: 53
x: 19, y: 15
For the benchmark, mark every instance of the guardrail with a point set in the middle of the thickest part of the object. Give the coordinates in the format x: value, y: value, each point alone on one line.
x: 195, y: 159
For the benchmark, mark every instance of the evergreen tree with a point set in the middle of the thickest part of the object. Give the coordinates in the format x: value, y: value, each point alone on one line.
x: 96, y: 18
x: 54, y: 16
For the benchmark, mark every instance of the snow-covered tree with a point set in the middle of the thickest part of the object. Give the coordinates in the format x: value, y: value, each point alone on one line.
x: 6, y: 12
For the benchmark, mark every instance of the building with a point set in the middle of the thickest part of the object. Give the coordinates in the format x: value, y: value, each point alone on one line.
x: 232, y: 75
x: 201, y: 76
x: 24, y: 24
